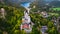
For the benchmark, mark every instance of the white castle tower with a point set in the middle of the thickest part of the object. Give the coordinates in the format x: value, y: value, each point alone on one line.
x: 26, y: 22
x: 26, y: 16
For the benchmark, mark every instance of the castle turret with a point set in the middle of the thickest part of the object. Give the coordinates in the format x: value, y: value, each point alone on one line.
x: 26, y: 22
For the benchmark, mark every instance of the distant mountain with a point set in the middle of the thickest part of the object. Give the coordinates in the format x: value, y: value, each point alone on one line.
x: 17, y: 2
x: 48, y: 1
x: 1, y: 1
x: 40, y: 2
x: 55, y: 3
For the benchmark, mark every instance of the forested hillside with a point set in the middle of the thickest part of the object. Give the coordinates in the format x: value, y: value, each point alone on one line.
x: 42, y: 18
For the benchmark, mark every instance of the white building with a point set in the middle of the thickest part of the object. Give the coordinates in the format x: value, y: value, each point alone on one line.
x: 26, y: 22
x: 2, y: 11
x: 44, y: 14
x: 43, y: 29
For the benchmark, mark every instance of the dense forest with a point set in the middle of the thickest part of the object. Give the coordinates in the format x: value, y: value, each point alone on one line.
x: 10, y: 24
